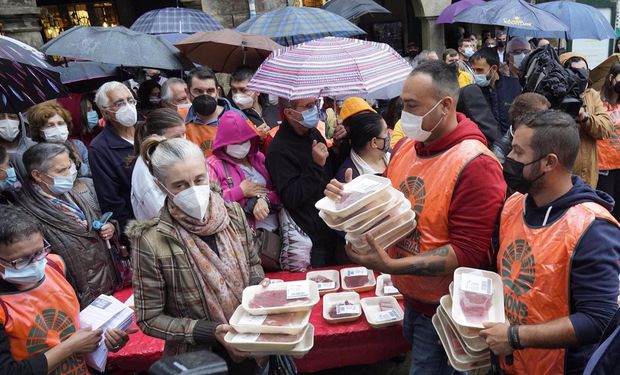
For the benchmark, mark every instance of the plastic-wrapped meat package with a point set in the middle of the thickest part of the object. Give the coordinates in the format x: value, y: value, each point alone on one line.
x: 333, y: 311
x: 476, y: 297
x: 356, y: 281
x: 274, y: 337
x: 385, y: 306
x: 349, y: 198
x: 388, y: 288
x: 275, y: 298
x: 321, y: 279
x: 283, y: 320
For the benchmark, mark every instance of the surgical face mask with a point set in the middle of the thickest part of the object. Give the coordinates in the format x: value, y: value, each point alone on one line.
x: 154, y: 100
x: 239, y: 151
x: 513, y: 174
x: 468, y: 52
x: 273, y: 100
x: 127, y: 115
x: 482, y: 80
x: 28, y: 275
x: 93, y: 119
x: 412, y: 125
x: 518, y: 59
x: 10, y: 183
x: 62, y: 184
x: 243, y: 101
x: 310, y: 117
x: 56, y: 133
x: 194, y: 201
x: 9, y: 129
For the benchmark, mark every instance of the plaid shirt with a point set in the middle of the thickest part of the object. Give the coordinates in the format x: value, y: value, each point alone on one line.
x: 168, y: 298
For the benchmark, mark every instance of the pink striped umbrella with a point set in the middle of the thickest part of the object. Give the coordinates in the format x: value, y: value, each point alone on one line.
x: 334, y: 67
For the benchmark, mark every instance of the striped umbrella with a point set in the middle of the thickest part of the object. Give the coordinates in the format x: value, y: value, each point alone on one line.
x: 334, y: 67
x: 175, y: 20
x: 294, y: 25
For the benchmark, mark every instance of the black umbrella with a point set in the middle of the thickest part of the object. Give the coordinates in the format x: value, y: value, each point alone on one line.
x: 85, y: 76
x: 14, y: 50
x: 23, y: 85
x: 117, y: 45
x: 352, y: 9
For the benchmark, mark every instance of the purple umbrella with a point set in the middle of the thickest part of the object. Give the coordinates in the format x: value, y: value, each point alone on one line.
x: 448, y: 14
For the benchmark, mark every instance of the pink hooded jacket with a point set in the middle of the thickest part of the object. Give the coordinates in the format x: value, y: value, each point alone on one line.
x: 234, y: 129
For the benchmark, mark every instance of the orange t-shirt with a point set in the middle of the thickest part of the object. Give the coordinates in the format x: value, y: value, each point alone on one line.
x: 203, y: 135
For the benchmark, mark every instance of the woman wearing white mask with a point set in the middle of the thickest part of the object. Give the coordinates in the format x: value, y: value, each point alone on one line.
x: 146, y: 197
x: 239, y: 167
x: 190, y: 266
x: 51, y: 122
x: 13, y: 138
x: 66, y: 206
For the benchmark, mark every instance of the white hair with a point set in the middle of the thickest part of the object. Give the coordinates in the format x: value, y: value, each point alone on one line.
x: 168, y: 152
x: 515, y: 40
x: 101, y: 98
x: 166, y: 91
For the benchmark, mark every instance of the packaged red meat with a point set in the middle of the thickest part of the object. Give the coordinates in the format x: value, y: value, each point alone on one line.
x: 359, y: 279
x: 367, y: 219
x: 460, y: 362
x: 384, y: 239
x: 356, y: 194
x: 382, y: 311
x: 264, y: 342
x: 341, y: 307
x: 482, y: 349
x: 301, y: 349
x: 327, y: 281
x: 471, y: 336
x: 478, y: 297
x: 385, y: 287
x: 285, y: 323
x: 279, y: 298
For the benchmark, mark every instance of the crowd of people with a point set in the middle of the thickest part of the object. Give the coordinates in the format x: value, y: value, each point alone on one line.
x: 198, y: 182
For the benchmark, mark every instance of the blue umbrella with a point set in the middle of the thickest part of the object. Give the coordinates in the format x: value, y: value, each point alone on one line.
x: 583, y: 21
x: 513, y: 14
x: 175, y: 20
x: 294, y: 25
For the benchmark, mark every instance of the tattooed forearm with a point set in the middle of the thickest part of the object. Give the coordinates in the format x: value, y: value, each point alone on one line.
x: 433, y: 263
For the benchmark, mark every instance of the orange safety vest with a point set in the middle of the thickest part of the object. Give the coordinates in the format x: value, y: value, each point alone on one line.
x: 38, y: 319
x: 428, y: 183
x: 203, y: 135
x: 534, y: 263
x: 609, y: 149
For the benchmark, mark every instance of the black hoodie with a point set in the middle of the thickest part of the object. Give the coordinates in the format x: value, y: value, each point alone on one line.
x: 594, y: 269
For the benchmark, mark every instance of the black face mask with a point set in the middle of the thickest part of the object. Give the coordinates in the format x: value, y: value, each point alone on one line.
x: 501, y: 44
x: 204, y: 105
x: 617, y: 87
x: 155, y: 78
x: 513, y: 174
x: 412, y: 54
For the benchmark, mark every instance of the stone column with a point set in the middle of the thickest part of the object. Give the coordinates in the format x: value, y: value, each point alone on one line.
x: 20, y: 20
x: 432, y: 34
x: 232, y: 13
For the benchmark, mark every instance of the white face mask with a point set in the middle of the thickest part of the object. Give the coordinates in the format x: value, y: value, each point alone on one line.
x: 412, y: 125
x: 243, y: 101
x: 273, y: 100
x: 239, y: 151
x: 9, y: 129
x: 127, y: 116
x: 194, y: 201
x: 518, y: 59
x: 56, y: 133
x: 28, y: 275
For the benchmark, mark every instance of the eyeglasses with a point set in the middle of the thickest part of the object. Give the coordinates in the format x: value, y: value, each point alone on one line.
x: 21, y: 263
x: 121, y: 103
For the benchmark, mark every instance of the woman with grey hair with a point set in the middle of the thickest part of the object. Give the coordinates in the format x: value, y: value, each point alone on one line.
x: 190, y: 264
x: 66, y: 208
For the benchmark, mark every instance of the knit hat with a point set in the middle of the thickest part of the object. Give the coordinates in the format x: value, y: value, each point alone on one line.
x: 354, y: 105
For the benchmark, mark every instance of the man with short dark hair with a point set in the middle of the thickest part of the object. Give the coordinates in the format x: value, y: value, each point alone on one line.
x: 500, y: 91
x: 558, y: 255
x: 456, y: 209
x: 500, y: 49
x: 202, y: 81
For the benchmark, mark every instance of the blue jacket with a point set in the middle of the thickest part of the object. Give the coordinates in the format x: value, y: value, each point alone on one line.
x: 594, y: 270
x: 500, y: 99
x: 108, y: 154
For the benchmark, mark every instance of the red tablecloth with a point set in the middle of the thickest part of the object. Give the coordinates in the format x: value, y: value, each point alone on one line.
x: 335, y: 345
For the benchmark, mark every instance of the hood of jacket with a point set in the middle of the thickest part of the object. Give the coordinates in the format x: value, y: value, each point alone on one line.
x: 233, y: 129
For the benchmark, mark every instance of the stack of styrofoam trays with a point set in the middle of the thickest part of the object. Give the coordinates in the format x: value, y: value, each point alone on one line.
x: 478, y: 297
x: 275, y: 319
x: 369, y: 204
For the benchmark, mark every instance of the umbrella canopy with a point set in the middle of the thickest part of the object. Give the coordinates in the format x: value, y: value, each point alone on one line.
x: 598, y: 74
x: 85, y: 76
x: 23, y: 85
x: 116, y: 45
x: 352, y: 9
x: 583, y: 21
x: 513, y: 14
x: 175, y: 20
x: 334, y: 67
x: 448, y: 14
x: 14, y: 50
x: 294, y: 25
x: 233, y: 49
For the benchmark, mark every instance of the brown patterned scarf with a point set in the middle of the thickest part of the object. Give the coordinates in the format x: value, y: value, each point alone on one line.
x: 223, y: 276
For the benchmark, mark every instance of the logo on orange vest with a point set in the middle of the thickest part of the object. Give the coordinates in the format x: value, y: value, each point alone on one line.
x: 51, y: 324
x: 518, y: 274
x: 414, y: 187
x: 409, y: 244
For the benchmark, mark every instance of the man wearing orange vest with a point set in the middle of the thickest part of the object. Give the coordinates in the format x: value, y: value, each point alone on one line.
x: 558, y: 255
x: 39, y: 311
x: 456, y: 188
